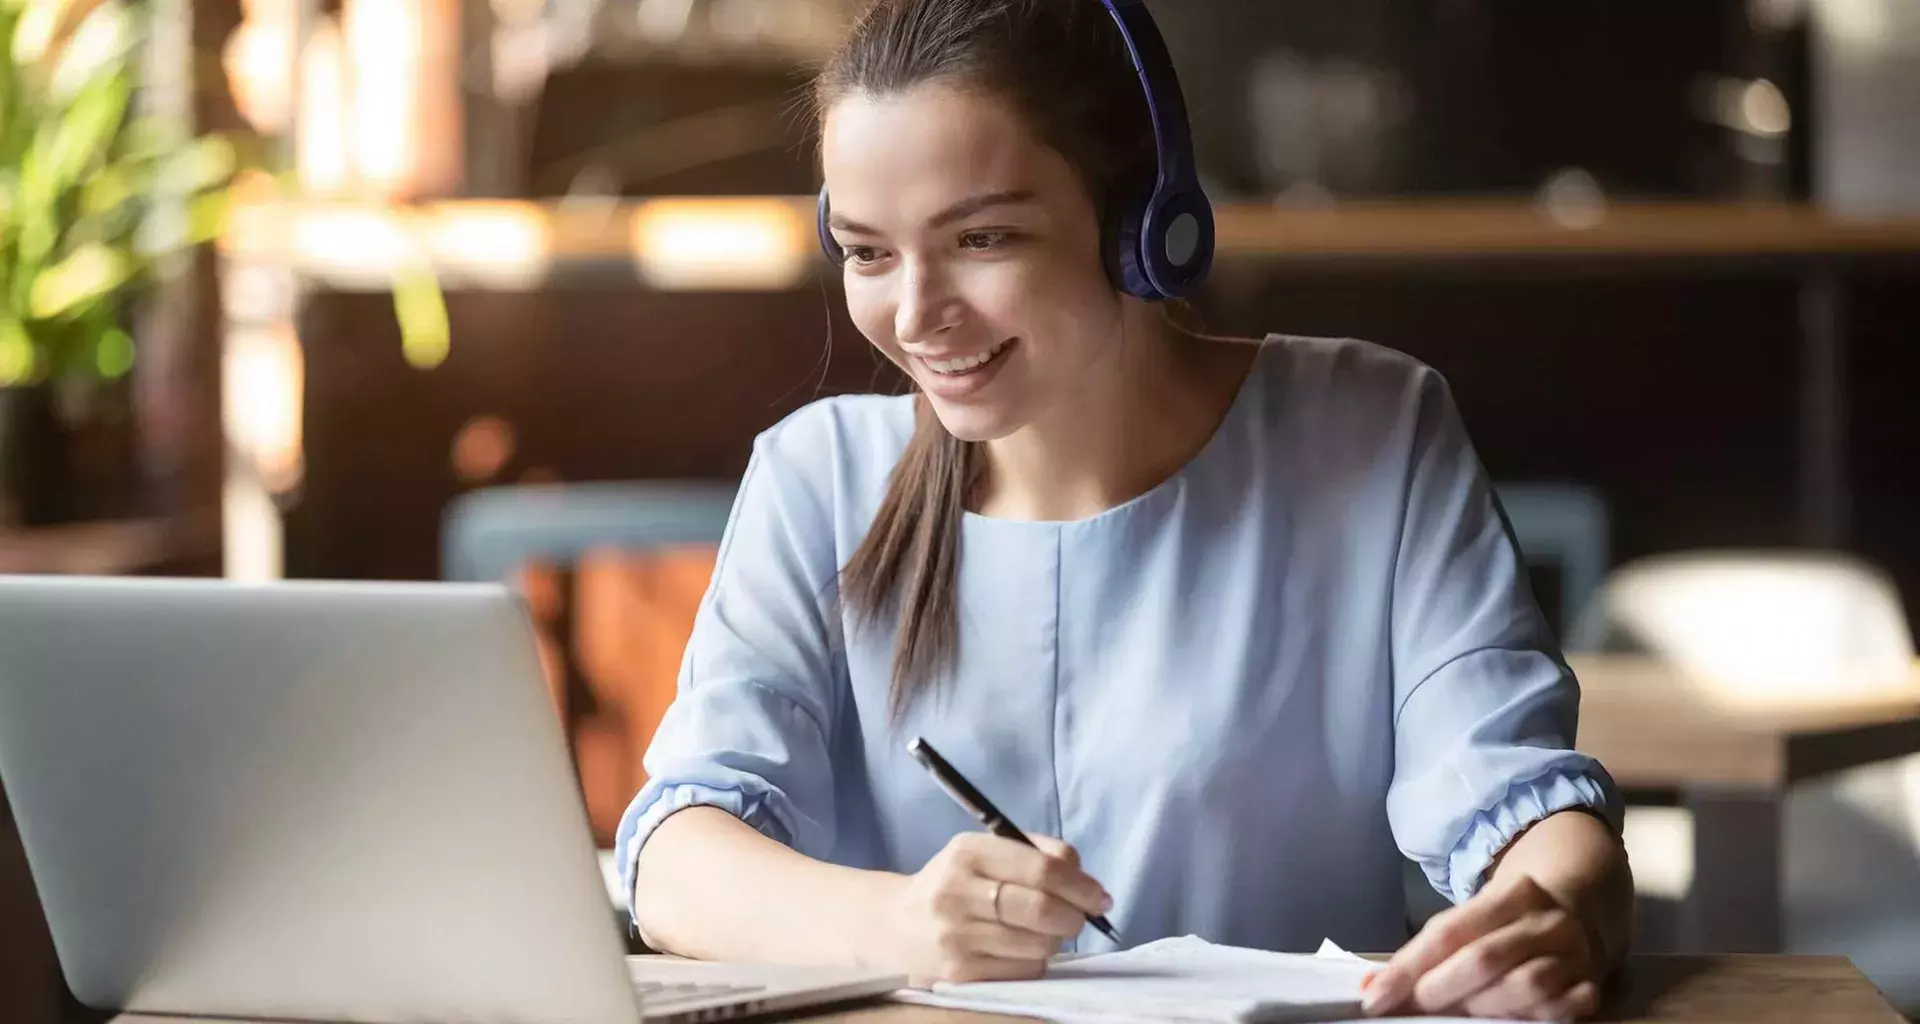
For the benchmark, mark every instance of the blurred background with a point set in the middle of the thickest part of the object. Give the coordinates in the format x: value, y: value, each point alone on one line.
x: 458, y: 289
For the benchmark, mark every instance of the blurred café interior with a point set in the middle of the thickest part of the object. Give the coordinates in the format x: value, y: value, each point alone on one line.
x: 504, y: 289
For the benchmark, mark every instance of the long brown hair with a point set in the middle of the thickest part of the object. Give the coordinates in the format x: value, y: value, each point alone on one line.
x: 1063, y: 65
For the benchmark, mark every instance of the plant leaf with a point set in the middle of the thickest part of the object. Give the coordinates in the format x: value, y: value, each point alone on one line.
x: 16, y: 353
x: 113, y: 353
x: 425, y: 336
x: 99, y: 48
x: 207, y: 217
x: 86, y: 130
x: 88, y: 273
x: 203, y: 163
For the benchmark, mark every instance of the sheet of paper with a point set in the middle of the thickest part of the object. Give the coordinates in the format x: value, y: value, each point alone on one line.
x: 1181, y: 979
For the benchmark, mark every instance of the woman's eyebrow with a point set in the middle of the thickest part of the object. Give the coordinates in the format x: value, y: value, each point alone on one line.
x: 984, y: 201
x: 957, y: 212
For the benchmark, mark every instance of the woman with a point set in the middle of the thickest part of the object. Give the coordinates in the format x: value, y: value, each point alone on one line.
x: 1239, y: 622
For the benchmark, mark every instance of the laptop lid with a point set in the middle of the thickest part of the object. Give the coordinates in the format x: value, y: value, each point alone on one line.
x: 313, y: 801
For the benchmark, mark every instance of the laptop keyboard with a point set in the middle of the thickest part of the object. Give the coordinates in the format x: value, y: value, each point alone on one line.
x: 662, y: 995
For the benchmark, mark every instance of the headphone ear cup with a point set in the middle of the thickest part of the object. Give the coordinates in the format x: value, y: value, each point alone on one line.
x: 824, y: 208
x: 1121, y: 224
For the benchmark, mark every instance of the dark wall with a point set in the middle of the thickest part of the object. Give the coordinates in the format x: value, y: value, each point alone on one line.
x: 598, y: 385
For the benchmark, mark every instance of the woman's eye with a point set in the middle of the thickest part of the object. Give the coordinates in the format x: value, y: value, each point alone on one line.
x: 983, y: 241
x: 863, y: 255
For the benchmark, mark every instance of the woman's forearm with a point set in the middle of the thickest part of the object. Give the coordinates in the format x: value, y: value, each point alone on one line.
x: 1577, y: 858
x: 710, y: 887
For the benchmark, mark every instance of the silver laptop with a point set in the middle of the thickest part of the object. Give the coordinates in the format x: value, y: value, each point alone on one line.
x: 324, y: 802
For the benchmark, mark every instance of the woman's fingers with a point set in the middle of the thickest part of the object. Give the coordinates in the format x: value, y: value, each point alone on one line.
x: 1036, y: 911
x: 1531, y: 991
x: 1489, y: 960
x: 1019, y: 864
x: 1446, y: 934
x: 1009, y: 942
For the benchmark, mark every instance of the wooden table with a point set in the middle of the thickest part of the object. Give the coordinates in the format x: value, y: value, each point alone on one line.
x: 1731, y: 760
x: 1730, y: 989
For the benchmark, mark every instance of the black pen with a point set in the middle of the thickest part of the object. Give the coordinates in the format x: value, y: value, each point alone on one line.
x: 980, y: 807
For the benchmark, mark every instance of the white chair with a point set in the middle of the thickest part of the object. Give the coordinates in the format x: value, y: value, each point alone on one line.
x: 1772, y: 625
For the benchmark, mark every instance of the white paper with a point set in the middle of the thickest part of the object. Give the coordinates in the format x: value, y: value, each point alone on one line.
x: 1182, y: 979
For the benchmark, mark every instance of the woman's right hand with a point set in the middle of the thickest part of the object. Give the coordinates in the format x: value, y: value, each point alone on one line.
x: 991, y: 909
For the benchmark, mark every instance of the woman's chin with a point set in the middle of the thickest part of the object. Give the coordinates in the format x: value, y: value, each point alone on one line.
x: 974, y: 423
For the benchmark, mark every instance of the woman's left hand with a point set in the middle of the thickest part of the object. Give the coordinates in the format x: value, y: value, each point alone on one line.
x: 1511, y: 951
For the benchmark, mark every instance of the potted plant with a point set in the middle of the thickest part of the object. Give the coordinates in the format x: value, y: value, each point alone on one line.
x: 95, y: 195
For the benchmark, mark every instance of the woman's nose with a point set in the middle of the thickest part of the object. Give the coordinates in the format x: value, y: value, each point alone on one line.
x: 926, y: 306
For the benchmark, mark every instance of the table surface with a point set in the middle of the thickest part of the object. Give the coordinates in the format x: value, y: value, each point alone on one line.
x: 1743, y: 989
x: 1746, y: 989
x: 1655, y: 726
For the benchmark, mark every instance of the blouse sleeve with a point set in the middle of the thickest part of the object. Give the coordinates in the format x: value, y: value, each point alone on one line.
x: 748, y: 730
x: 1485, y: 706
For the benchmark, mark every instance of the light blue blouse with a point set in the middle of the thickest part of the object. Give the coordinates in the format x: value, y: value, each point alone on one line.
x: 1243, y: 695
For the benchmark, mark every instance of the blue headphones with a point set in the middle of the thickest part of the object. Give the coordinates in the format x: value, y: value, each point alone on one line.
x: 1159, y: 232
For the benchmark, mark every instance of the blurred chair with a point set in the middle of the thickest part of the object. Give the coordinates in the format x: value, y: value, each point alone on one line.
x: 1789, y: 627
x: 1782, y: 624
x: 613, y: 575
x: 1568, y: 528
x: 489, y: 533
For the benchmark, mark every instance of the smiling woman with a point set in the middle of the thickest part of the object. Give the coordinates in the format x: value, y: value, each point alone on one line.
x: 1236, y: 623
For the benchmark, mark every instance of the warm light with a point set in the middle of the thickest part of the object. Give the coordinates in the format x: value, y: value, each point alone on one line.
x: 722, y: 244
x: 258, y: 60
x: 252, y: 540
x: 322, y: 155
x: 1764, y: 110
x: 384, y: 40
x: 403, y: 82
x: 1659, y: 843
x: 365, y: 245
x: 263, y: 380
x: 492, y: 244
x: 482, y: 449
x: 1573, y: 199
x: 1769, y: 630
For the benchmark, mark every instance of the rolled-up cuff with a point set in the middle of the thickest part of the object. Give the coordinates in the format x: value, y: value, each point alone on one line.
x: 1525, y: 804
x: 656, y: 804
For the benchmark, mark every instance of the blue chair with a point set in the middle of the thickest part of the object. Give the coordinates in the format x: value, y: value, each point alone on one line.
x: 488, y: 533
x: 1566, y: 526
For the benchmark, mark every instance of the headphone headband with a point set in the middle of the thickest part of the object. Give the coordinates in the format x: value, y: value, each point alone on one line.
x: 1166, y: 102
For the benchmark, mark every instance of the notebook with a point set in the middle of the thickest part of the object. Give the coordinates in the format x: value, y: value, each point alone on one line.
x: 1178, y: 979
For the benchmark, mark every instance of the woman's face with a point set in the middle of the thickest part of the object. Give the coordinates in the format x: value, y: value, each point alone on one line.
x: 973, y: 255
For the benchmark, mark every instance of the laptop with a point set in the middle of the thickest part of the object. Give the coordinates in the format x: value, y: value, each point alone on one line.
x: 324, y: 802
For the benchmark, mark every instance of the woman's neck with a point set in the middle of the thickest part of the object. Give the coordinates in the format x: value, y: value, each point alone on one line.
x: 1146, y: 414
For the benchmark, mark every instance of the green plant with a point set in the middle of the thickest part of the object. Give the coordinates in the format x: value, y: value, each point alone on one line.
x: 94, y: 194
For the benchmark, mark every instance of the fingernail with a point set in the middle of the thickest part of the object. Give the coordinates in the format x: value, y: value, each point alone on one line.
x: 1381, y: 996
x: 1106, y: 903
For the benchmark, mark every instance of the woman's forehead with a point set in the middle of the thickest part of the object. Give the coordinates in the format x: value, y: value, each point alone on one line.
x: 902, y: 157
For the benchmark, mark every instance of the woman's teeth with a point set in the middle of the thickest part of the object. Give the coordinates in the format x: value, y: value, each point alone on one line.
x: 965, y: 363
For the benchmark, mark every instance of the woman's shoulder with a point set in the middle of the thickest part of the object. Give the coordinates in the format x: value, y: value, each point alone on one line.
x: 1350, y: 367
x: 838, y: 447
x: 1347, y: 384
